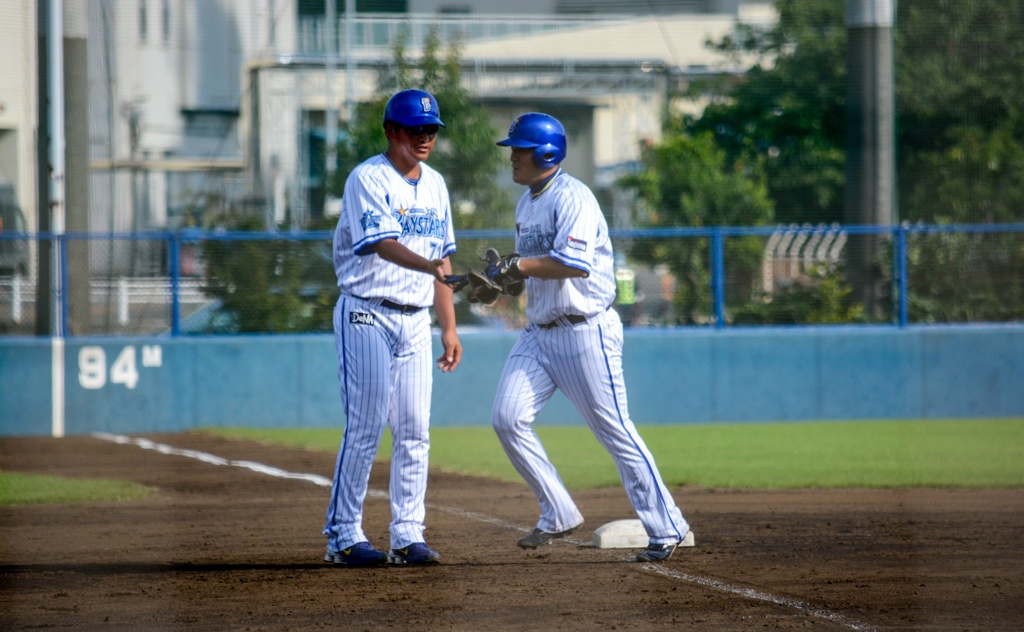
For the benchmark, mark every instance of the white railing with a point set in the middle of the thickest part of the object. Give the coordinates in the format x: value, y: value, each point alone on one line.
x: 20, y: 291
x: 123, y: 292
x: 377, y: 33
x: 792, y: 250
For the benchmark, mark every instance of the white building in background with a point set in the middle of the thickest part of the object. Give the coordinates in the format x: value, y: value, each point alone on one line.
x: 606, y: 75
x: 166, y: 79
x: 193, y: 101
x: 18, y: 84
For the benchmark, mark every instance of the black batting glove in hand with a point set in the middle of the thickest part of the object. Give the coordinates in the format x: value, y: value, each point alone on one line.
x: 508, y: 270
x: 502, y: 270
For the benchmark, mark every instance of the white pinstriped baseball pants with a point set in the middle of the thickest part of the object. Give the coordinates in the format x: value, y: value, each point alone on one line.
x: 584, y: 362
x: 384, y: 370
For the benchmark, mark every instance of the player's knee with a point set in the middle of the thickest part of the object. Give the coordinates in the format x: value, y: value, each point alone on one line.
x: 498, y: 422
x: 502, y: 421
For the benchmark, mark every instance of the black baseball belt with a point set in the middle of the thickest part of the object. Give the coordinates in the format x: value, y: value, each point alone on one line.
x: 562, y: 321
x: 398, y: 307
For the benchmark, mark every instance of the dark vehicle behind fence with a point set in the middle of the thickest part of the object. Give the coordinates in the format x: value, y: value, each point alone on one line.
x: 13, y: 252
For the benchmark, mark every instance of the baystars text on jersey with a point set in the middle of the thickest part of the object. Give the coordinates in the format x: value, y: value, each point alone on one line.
x: 533, y: 241
x: 421, y: 222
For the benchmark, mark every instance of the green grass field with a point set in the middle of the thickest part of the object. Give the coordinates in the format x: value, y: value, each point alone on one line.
x: 867, y: 454
x: 878, y: 454
x: 31, y: 489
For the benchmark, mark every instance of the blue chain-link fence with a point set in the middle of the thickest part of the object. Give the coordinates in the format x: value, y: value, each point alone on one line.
x: 224, y: 283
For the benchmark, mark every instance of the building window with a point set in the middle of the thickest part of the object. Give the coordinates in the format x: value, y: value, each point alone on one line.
x: 165, y: 20
x: 272, y: 15
x: 318, y: 7
x: 143, y: 22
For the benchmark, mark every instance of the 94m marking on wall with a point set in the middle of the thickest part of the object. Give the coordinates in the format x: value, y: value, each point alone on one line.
x: 92, y: 366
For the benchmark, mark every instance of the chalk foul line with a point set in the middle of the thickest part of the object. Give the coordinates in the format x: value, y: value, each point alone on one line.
x: 705, y: 582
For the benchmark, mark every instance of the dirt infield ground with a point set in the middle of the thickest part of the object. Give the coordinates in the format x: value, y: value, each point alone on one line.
x: 221, y: 547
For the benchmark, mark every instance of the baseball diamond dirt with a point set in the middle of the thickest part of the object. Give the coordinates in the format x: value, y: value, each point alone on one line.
x: 223, y: 545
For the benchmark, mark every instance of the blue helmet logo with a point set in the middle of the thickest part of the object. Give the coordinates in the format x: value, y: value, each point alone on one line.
x: 413, y: 107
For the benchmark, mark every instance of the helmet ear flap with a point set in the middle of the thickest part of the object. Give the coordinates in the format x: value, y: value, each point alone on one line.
x: 542, y: 132
x: 547, y: 155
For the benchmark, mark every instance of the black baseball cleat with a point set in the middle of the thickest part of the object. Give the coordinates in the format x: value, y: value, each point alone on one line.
x: 417, y: 553
x: 539, y: 537
x: 656, y: 553
x: 359, y: 554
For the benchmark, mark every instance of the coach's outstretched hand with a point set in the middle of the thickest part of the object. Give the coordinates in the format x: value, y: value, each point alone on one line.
x: 456, y: 281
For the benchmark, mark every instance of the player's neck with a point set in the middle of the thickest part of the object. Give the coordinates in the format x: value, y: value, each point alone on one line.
x: 543, y: 182
x: 408, y: 167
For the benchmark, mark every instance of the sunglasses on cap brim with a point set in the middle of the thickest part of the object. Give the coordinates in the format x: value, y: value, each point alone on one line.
x: 419, y: 130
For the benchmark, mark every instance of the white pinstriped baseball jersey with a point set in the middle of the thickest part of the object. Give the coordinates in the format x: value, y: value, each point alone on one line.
x: 384, y: 354
x: 380, y: 203
x: 565, y: 222
x: 583, y: 360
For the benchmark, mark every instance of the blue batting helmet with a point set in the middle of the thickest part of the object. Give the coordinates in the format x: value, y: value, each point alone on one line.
x: 413, y: 107
x: 543, y: 133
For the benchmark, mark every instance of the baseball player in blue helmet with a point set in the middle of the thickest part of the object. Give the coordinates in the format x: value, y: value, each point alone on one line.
x: 391, y: 249
x: 573, y: 342
x: 412, y: 108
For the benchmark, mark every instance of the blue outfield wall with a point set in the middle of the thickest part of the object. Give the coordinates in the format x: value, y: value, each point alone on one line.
x: 138, y: 385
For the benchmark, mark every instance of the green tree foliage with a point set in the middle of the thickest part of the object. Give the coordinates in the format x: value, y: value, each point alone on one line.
x: 961, y: 117
x: 965, y: 277
x: 827, y: 300
x: 266, y: 284
x: 465, y: 154
x: 767, y: 148
x: 960, y: 127
x: 787, y: 112
x: 960, y: 109
x: 977, y: 178
x: 689, y: 181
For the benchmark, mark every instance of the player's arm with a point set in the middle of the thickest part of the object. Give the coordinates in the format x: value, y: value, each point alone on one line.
x: 548, y: 267
x: 393, y: 251
x: 575, y: 217
x: 444, y: 307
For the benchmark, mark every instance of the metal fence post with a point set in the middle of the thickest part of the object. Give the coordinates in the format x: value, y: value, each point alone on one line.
x: 62, y: 293
x: 175, y: 286
x: 718, y: 276
x: 122, y: 300
x: 901, y: 274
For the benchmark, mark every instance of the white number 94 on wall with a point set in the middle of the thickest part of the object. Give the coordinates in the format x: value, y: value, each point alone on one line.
x: 92, y: 366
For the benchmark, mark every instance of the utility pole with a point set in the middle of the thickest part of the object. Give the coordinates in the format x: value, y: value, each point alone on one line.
x: 330, y: 113
x: 350, y: 66
x: 52, y: 21
x: 46, y: 250
x: 76, y: 161
x: 57, y: 144
x: 870, y: 192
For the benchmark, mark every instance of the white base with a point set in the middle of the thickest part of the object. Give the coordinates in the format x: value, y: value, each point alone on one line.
x: 628, y: 534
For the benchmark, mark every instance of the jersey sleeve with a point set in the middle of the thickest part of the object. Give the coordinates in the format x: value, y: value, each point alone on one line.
x: 577, y: 224
x: 449, y: 237
x: 367, y: 210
